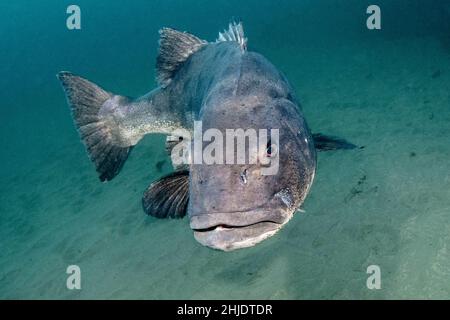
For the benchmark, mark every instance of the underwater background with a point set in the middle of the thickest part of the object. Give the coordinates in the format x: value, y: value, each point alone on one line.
x: 387, y: 204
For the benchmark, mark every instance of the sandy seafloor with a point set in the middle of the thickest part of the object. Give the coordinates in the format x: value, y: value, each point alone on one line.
x: 387, y: 204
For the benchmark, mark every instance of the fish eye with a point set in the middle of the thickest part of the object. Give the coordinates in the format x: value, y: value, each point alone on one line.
x: 271, y: 149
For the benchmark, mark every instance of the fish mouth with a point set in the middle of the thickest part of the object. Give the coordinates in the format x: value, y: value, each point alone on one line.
x: 225, y: 226
x: 236, y: 230
x: 237, y: 219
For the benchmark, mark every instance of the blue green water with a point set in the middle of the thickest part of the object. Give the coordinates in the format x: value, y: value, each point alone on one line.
x: 387, y: 204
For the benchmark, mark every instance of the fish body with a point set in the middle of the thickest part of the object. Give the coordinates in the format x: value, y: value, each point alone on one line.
x: 223, y: 86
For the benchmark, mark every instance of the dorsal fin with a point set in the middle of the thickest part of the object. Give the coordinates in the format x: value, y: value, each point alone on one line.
x: 175, y: 48
x: 234, y: 33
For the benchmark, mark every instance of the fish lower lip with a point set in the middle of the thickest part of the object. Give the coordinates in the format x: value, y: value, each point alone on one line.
x: 225, y: 226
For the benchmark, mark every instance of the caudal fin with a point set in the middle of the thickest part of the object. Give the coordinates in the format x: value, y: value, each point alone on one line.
x: 85, y: 100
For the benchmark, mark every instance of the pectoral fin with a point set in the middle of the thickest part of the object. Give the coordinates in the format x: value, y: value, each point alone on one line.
x: 168, y: 197
x: 326, y: 143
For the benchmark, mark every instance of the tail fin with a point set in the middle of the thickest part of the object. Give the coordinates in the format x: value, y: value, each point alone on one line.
x: 85, y: 100
x: 326, y: 143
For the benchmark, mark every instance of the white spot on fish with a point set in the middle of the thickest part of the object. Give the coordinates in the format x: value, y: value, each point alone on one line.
x: 243, y: 176
x: 285, y: 196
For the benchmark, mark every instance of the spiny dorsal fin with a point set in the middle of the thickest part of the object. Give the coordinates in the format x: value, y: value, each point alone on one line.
x: 235, y: 33
x: 175, y: 48
x: 168, y: 197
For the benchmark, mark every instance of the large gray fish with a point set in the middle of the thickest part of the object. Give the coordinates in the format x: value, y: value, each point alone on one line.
x: 225, y: 86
